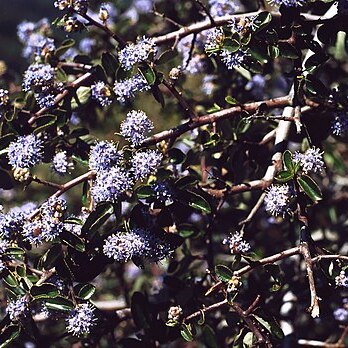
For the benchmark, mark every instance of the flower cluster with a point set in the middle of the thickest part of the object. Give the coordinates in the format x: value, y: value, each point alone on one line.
x: 81, y: 319
x: 138, y: 242
x: 40, y: 78
x: 136, y: 127
x: 237, y: 244
x: 127, y: 89
x: 48, y: 225
x: 110, y: 184
x: 79, y: 6
x: 340, y: 124
x: 341, y: 314
x: 232, y: 59
x: 101, y: 92
x: 278, y: 199
x: 342, y: 279
x: 61, y: 163
x: 4, y: 101
x: 34, y: 38
x: 220, y: 8
x: 163, y: 193
x: 11, y: 224
x: 214, y: 39
x: 25, y: 152
x: 104, y: 155
x: 311, y: 160
x: 287, y: 3
x: 18, y: 309
x: 175, y: 313
x: 145, y: 163
x: 136, y: 53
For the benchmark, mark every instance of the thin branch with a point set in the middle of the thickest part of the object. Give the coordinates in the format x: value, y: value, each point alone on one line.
x: 214, y: 117
x: 165, y: 18
x: 211, y: 308
x: 329, y: 257
x: 46, y: 183
x: 314, y: 308
x: 206, y: 11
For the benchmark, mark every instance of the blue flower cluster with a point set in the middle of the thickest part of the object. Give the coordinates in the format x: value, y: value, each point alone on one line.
x: 138, y: 242
x: 11, y: 224
x: 81, y: 319
x: 136, y: 127
x: 278, y: 199
x: 101, y: 92
x: 145, y: 163
x: 61, y: 163
x: 220, y: 8
x: 288, y: 3
x: 18, y: 309
x: 311, y: 160
x: 48, y: 225
x: 110, y: 184
x: 25, y: 152
x: 34, y: 37
x: 232, y: 59
x: 163, y: 192
x: 136, y: 53
x: 340, y: 124
x: 40, y: 78
x: 104, y: 155
x: 237, y: 244
x: 128, y: 88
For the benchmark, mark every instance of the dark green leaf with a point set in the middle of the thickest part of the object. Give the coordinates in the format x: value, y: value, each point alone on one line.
x: 10, y: 334
x: 149, y: 75
x: 73, y: 241
x: 166, y: 56
x: 196, y: 201
x: 176, y: 156
x: 286, y: 50
x: 66, y: 44
x: 59, y: 304
x: 288, y: 161
x: 87, y: 291
x: 223, y: 273
x: 186, y: 332
x: 261, y: 21
x: 209, y: 337
x: 110, y: 64
x: 185, y: 182
x: 310, y: 187
x: 97, y: 218
x: 44, y: 291
x: 284, y: 176
x: 144, y: 191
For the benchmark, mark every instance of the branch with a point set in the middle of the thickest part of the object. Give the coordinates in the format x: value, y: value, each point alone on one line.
x: 314, y: 308
x: 214, y: 117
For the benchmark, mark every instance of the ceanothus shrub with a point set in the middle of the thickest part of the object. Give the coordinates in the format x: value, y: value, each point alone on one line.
x: 174, y: 171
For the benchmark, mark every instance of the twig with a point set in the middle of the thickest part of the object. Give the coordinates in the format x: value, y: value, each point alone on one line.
x: 164, y: 17
x: 46, y: 183
x: 314, y: 308
x: 178, y: 95
x: 253, y: 305
x: 214, y: 117
x: 329, y: 257
x: 206, y: 11
x: 211, y: 308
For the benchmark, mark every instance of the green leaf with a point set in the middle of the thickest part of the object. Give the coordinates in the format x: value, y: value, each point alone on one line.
x: 148, y: 74
x: 288, y: 161
x: 144, y: 191
x: 284, y: 176
x: 249, y: 340
x: 110, y: 64
x: 97, y: 218
x: 261, y: 21
x: 59, y: 304
x: 223, y: 273
x: 185, y: 182
x: 176, y: 156
x: 87, y: 291
x: 82, y: 96
x: 44, y: 123
x: 270, y: 325
x: 66, y: 44
x: 231, y: 100
x: 166, y: 56
x: 196, y: 201
x: 10, y: 334
x: 11, y: 280
x: 48, y: 260
x: 73, y: 240
x: 186, y: 332
x: 287, y: 50
x: 232, y: 45
x: 273, y: 51
x: 310, y: 187
x: 44, y: 291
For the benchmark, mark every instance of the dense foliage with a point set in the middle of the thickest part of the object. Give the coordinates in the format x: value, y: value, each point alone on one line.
x: 172, y: 174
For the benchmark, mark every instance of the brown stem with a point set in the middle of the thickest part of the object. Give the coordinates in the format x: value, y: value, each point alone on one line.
x: 214, y: 117
x: 314, y: 308
x: 46, y: 183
